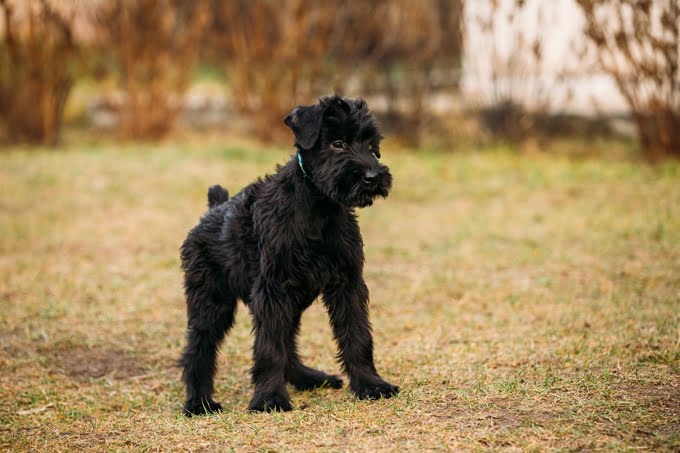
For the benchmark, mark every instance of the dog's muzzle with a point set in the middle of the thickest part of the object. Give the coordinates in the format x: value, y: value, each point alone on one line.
x: 370, y: 178
x: 372, y: 184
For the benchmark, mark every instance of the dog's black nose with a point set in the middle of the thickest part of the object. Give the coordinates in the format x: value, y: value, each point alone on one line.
x: 370, y: 177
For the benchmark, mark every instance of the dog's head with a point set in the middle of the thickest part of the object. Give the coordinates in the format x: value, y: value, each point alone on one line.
x: 340, y: 146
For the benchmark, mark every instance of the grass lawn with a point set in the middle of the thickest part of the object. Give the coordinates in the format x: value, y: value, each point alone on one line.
x: 521, y: 302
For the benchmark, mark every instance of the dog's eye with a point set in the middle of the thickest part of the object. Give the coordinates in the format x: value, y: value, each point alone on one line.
x: 338, y: 144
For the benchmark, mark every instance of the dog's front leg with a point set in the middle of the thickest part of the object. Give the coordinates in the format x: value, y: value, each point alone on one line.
x: 348, y: 309
x: 272, y: 320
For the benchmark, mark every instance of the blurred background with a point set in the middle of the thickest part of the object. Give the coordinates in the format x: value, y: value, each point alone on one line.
x: 440, y: 73
x: 524, y: 271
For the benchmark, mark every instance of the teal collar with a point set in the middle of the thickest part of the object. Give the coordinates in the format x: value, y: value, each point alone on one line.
x: 299, y: 158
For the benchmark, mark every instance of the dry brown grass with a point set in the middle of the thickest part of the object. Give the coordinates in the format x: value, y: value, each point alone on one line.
x: 521, y: 303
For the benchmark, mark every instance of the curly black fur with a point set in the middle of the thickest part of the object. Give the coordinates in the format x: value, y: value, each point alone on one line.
x: 277, y: 245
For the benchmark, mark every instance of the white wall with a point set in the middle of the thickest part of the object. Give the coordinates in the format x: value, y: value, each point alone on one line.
x: 559, y: 24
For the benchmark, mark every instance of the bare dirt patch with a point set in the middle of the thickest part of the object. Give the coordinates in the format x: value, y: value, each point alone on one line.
x: 664, y: 400
x: 82, y: 363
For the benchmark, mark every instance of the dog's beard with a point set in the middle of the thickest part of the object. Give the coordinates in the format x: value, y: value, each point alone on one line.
x: 361, y: 195
x: 343, y: 182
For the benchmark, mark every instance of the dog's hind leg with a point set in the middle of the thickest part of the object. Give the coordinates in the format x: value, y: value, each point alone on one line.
x: 300, y: 376
x: 210, y: 310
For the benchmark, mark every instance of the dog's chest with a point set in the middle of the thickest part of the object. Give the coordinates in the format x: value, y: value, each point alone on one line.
x: 319, y: 251
x: 315, y: 231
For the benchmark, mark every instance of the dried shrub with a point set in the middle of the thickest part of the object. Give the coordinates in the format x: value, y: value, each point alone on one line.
x: 637, y: 42
x: 417, y: 51
x: 272, y: 53
x: 38, y: 57
x: 153, y: 44
x: 277, y: 54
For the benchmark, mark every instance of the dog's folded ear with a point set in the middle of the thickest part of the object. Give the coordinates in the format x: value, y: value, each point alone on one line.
x: 305, y: 121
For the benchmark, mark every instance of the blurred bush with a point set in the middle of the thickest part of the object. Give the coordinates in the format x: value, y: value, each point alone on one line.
x: 38, y: 61
x: 638, y: 44
x: 153, y: 45
x: 279, y: 53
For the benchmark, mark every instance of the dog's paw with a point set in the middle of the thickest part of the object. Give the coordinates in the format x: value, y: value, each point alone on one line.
x: 316, y: 380
x: 375, y: 390
x: 270, y: 402
x: 199, y: 407
x: 332, y: 381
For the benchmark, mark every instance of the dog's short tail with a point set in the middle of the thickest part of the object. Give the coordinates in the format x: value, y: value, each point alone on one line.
x: 217, y: 195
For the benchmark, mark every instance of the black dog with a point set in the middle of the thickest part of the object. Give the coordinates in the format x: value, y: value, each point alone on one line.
x: 277, y: 245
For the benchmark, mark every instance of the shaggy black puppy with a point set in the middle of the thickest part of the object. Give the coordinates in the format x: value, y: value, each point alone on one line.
x: 277, y: 245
